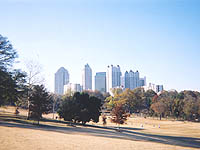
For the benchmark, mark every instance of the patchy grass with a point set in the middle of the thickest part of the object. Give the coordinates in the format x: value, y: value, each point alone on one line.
x: 18, y: 133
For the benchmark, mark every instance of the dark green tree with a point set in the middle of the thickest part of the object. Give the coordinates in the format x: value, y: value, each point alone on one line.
x: 94, y: 108
x: 12, y: 82
x: 41, y: 102
x: 5, y: 80
x: 69, y: 109
x: 17, y: 86
x: 80, y: 108
x: 7, y: 53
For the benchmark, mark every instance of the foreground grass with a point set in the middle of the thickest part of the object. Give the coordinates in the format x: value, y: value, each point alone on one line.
x: 18, y: 133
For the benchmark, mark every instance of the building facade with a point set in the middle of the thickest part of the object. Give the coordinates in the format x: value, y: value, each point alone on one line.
x: 132, y: 79
x: 159, y: 88
x: 61, y: 78
x: 154, y: 87
x: 87, y: 78
x: 142, y: 82
x: 100, y: 82
x: 126, y: 80
x: 113, y: 77
x: 71, y: 88
x: 122, y: 82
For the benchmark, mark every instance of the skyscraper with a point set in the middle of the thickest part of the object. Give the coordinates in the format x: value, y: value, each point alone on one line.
x: 61, y: 78
x: 100, y: 81
x: 122, y: 82
x: 137, y: 79
x: 87, y: 78
x: 159, y: 88
x: 71, y: 88
x: 142, y: 82
x: 154, y: 87
x: 132, y: 80
x: 113, y: 77
x: 126, y: 80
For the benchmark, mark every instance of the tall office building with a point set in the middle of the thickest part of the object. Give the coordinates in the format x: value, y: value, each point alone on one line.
x: 113, y: 77
x: 154, y: 87
x: 122, y: 82
x: 142, y: 82
x: 61, y: 78
x: 126, y: 80
x: 100, y: 82
x: 150, y: 86
x: 133, y: 80
x: 87, y: 78
x: 159, y: 88
x: 137, y: 79
x: 72, y: 88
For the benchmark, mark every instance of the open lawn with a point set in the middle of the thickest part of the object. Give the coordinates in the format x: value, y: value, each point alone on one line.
x: 138, y: 134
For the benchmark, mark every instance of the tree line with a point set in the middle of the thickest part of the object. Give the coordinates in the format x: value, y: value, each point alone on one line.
x: 184, y: 105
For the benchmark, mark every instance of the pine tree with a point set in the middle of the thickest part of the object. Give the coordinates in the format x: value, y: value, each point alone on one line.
x: 41, y: 102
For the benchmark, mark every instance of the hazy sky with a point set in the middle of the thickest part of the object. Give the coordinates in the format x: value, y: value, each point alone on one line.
x: 160, y: 38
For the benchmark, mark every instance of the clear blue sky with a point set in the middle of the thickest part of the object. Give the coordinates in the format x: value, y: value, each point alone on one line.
x: 160, y: 38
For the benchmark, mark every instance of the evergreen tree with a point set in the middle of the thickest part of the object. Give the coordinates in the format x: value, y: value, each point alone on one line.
x: 7, y: 53
x: 80, y: 108
x: 12, y: 82
x: 40, y: 102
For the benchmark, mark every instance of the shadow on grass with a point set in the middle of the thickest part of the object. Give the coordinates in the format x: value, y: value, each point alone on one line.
x: 109, y: 132
x: 88, y: 125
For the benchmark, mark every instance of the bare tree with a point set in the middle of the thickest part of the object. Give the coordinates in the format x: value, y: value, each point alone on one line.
x: 34, y: 73
x: 34, y: 77
x: 57, y: 99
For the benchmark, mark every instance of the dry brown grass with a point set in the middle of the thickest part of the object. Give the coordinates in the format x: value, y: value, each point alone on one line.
x: 19, y: 134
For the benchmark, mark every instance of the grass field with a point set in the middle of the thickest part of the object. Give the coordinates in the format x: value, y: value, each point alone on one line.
x: 138, y: 134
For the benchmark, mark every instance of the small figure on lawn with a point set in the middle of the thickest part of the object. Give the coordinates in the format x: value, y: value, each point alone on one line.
x: 17, y: 111
x: 104, y: 120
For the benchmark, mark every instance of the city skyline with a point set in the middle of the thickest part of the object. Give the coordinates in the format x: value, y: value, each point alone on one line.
x: 158, y: 38
x: 102, y: 81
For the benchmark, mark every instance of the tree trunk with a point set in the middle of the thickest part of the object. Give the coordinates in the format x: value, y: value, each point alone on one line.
x: 53, y: 109
x: 28, y: 116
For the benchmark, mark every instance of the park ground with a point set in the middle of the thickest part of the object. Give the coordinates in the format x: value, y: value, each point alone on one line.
x: 137, y: 134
